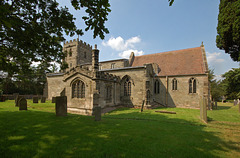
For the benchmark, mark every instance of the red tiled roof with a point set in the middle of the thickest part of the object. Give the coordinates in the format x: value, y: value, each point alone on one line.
x: 179, y: 62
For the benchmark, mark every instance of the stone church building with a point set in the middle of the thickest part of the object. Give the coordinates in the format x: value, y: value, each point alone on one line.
x: 172, y: 79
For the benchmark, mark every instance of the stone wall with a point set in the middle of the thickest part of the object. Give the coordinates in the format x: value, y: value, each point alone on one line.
x: 117, y: 64
x: 181, y: 97
x: 138, y: 79
x: 55, y: 85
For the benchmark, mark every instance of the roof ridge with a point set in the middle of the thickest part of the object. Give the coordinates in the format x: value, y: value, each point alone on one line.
x: 168, y: 51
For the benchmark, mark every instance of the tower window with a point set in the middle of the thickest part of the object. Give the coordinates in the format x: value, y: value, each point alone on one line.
x: 85, y: 55
x: 70, y: 52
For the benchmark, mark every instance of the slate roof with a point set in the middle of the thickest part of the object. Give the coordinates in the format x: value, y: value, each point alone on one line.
x: 179, y: 62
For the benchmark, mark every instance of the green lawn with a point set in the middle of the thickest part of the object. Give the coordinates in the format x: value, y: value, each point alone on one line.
x: 125, y: 132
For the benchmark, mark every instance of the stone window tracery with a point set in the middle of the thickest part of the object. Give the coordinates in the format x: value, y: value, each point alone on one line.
x: 174, y: 84
x: 127, y: 87
x: 78, y: 89
x: 192, y: 85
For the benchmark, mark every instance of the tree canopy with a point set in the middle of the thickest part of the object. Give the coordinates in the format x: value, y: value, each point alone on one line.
x: 228, y: 28
x: 32, y: 30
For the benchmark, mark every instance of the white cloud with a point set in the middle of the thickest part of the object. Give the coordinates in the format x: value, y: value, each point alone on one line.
x: 214, y: 58
x: 126, y: 46
x: 119, y: 44
x: 126, y: 53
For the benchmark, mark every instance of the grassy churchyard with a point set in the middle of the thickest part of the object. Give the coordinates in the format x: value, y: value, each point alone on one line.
x: 125, y: 132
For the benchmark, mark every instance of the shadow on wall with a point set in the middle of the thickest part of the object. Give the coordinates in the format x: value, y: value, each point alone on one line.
x: 42, y: 134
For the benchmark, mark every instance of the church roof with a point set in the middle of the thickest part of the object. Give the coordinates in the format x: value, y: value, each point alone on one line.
x: 179, y: 62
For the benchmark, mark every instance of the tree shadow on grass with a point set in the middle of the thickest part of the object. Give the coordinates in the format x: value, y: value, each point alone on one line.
x: 131, y: 134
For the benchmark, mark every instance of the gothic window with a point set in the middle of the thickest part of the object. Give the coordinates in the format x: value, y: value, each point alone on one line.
x: 156, y: 87
x: 112, y: 65
x: 192, y: 85
x: 127, y: 87
x: 174, y: 84
x: 78, y: 89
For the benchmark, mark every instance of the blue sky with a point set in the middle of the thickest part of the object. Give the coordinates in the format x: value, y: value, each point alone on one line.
x: 147, y: 27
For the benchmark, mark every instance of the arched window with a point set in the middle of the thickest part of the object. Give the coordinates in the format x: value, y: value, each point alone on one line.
x: 174, y: 84
x: 156, y: 87
x: 192, y: 85
x: 127, y: 87
x: 78, y: 89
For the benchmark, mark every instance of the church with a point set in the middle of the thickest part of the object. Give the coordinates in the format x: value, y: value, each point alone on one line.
x: 172, y: 79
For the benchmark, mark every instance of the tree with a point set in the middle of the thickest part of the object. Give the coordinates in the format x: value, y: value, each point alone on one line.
x: 228, y: 28
x: 232, y: 82
x: 216, y: 88
x: 32, y: 30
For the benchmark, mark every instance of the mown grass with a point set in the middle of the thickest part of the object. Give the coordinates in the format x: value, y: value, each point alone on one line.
x: 125, y: 132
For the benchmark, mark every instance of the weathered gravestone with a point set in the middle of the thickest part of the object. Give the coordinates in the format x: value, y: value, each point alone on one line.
x: 97, y: 112
x: 22, y: 103
x: 35, y: 99
x: 17, y: 100
x: 203, y: 109
x: 61, y: 106
x: 43, y: 99
x: 53, y: 99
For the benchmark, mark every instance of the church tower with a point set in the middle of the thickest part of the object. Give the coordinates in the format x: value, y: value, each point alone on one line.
x: 77, y: 53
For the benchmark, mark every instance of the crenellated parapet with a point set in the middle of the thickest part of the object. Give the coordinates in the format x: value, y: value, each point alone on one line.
x: 77, y: 42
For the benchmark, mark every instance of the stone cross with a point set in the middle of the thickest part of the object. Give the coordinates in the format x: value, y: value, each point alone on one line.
x: 203, y: 109
x: 35, y: 99
x: 61, y: 106
x: 22, y: 104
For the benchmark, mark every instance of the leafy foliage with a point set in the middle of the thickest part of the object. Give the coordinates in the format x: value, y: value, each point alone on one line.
x: 228, y: 28
x: 232, y: 82
x: 32, y: 30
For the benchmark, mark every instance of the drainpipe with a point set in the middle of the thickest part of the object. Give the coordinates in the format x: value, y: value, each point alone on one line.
x: 166, y: 91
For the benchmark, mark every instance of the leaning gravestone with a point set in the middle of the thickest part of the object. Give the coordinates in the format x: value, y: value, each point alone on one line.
x: 53, y: 99
x: 97, y: 113
x: 22, y: 103
x: 35, y: 99
x: 203, y: 109
x: 43, y: 99
x: 61, y: 106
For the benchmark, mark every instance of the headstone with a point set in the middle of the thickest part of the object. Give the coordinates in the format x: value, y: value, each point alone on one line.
x: 216, y: 104
x: 17, y: 100
x: 203, y: 109
x: 35, y: 99
x: 53, y: 99
x: 61, y: 106
x: 43, y: 99
x: 97, y: 113
x: 235, y: 102
x: 22, y: 104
